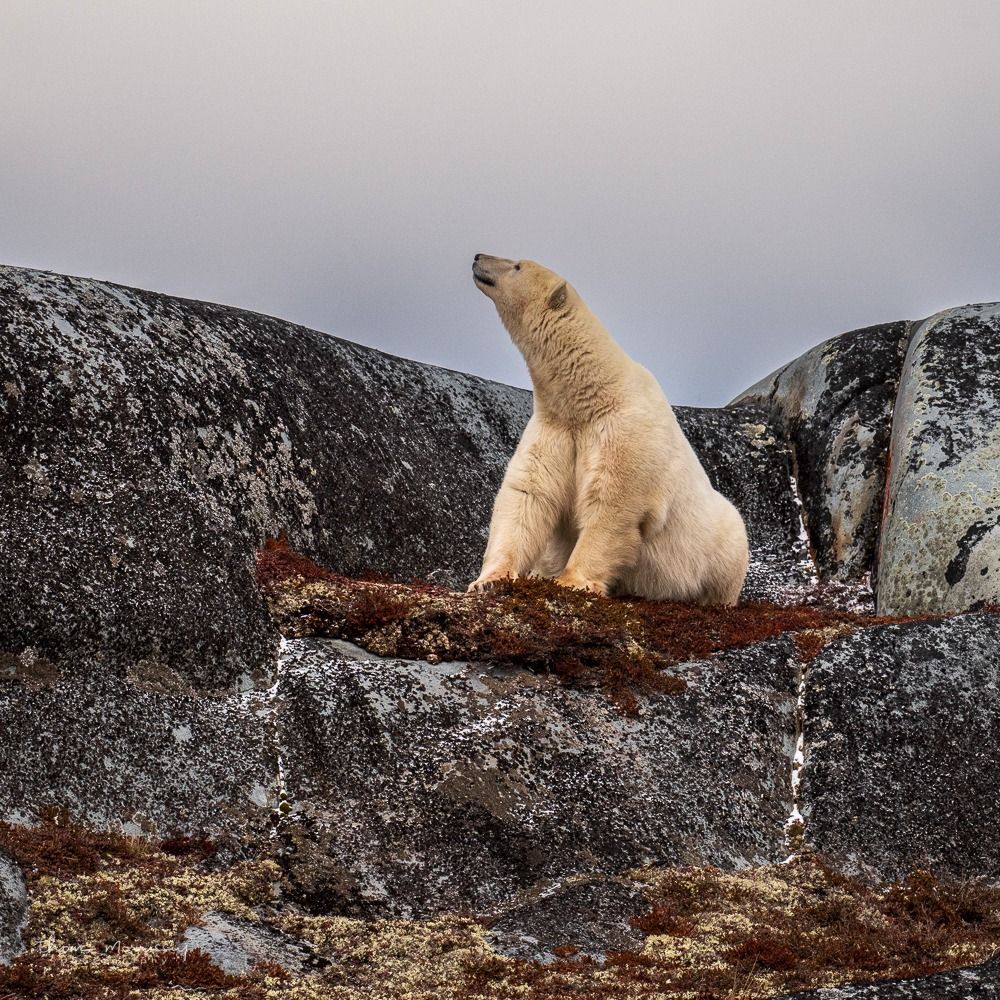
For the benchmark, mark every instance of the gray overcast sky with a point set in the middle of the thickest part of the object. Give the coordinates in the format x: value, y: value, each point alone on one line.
x: 726, y: 183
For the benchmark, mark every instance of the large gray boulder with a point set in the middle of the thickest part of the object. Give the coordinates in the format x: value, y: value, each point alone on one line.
x: 150, y: 443
x: 940, y: 548
x: 413, y: 788
x: 902, y: 749
x: 835, y: 404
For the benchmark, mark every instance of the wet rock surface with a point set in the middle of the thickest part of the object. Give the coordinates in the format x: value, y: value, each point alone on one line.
x: 902, y: 748
x: 415, y: 788
x: 835, y: 404
x: 112, y: 753
x: 981, y: 981
x: 13, y: 908
x: 940, y: 548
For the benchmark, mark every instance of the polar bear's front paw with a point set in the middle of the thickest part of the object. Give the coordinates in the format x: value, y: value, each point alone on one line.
x: 575, y: 581
x: 485, y: 583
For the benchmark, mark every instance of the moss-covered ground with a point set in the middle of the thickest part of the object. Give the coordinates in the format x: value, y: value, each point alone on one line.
x: 108, y: 913
x: 622, y: 646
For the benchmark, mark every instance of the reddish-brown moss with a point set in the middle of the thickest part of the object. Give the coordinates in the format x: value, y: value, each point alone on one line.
x: 833, y: 923
x: 662, y: 919
x: 711, y: 934
x: 771, y: 931
x: 56, y: 846
x: 762, y: 951
x: 191, y: 847
x: 55, y: 978
x: 622, y: 646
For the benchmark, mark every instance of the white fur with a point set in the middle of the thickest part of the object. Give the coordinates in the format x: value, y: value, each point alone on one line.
x: 604, y: 492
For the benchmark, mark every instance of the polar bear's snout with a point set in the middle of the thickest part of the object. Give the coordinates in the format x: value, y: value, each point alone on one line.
x: 486, y: 270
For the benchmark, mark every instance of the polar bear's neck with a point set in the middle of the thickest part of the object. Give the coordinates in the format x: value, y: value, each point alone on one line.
x: 577, y: 370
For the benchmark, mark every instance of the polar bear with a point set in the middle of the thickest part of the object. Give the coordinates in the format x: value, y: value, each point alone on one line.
x: 604, y: 493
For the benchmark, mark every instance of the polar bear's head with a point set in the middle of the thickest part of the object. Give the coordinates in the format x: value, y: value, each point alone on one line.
x: 522, y: 290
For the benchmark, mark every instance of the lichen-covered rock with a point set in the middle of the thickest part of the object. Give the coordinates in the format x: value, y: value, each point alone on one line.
x: 13, y: 908
x: 110, y: 751
x: 902, y: 748
x: 235, y: 945
x: 981, y: 982
x: 749, y: 461
x: 940, y: 547
x: 414, y: 788
x: 590, y: 916
x: 835, y: 405
x: 150, y: 443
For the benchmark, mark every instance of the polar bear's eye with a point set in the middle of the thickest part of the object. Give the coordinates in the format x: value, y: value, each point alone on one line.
x: 517, y: 267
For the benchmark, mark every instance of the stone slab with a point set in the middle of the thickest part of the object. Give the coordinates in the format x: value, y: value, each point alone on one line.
x: 415, y: 788
x: 112, y: 753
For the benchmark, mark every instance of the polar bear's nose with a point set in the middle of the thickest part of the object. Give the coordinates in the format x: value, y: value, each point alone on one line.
x: 478, y: 255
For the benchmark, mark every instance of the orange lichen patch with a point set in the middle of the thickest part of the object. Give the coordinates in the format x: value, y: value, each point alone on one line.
x: 622, y: 646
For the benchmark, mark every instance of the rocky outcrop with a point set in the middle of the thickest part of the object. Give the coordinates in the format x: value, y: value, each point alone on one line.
x: 413, y: 787
x: 151, y: 443
x: 940, y: 548
x: 835, y: 405
x: 895, y: 444
x: 522, y: 790
x: 902, y: 749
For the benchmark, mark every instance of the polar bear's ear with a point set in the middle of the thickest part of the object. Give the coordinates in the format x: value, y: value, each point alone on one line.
x: 557, y: 299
